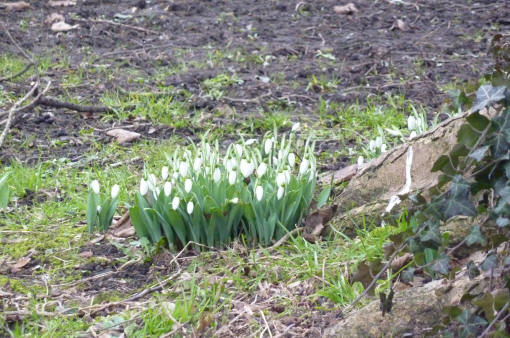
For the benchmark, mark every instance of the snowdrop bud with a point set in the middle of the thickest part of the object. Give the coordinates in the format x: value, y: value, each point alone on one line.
x: 296, y: 126
x: 286, y: 173
x: 197, y: 163
x: 280, y: 179
x: 361, y: 160
x: 217, y: 175
x: 246, y: 168
x: 378, y: 142
x: 239, y: 149
x: 411, y: 122
x: 175, y: 203
x: 167, y: 188
x: 371, y: 145
x: 98, y: 208
x: 261, y: 170
x: 144, y: 187
x: 250, y: 142
x: 383, y: 148
x: 267, y: 146
x: 183, y: 168
x: 259, y: 192
x: 280, y: 155
x: 292, y: 159
x: 152, y: 181
x: 412, y: 135
x: 280, y: 193
x: 94, y: 185
x: 234, y: 200
x: 190, y: 207
x: 164, y: 172
x: 232, y: 177
x: 188, y: 185
x: 303, y: 167
x: 115, y: 191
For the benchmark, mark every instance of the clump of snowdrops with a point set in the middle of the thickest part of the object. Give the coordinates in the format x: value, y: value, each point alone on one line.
x: 258, y: 189
x: 100, y: 214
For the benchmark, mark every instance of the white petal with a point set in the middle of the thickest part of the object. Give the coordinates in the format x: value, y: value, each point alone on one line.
x: 183, y: 168
x: 296, y: 126
x: 217, y: 175
x: 268, y: 145
x: 250, y: 142
x: 190, y: 207
x: 280, y: 179
x: 280, y: 193
x: 378, y: 142
x: 188, y: 185
x: 383, y: 148
x: 232, y: 176
x: 167, y: 188
x: 144, y: 187
x: 361, y: 160
x: 239, y: 149
x: 261, y: 170
x: 197, y: 164
x: 234, y: 200
x: 292, y: 159
x: 94, y: 185
x: 115, y: 191
x: 246, y: 168
x: 175, y: 203
x: 259, y: 192
x: 164, y: 173
x: 303, y: 167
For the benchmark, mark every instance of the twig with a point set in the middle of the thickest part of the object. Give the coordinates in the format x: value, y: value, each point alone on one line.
x: 285, y: 238
x: 267, y: 325
x: 489, y: 327
x: 15, y: 43
x: 52, y: 102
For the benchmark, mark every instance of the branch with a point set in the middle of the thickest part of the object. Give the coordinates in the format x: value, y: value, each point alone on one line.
x: 52, y: 102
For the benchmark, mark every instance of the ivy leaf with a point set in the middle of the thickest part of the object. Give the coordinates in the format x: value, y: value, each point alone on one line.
x: 499, y: 141
x: 457, y: 201
x: 471, y: 323
x: 475, y: 236
x: 487, y: 95
x: 473, y: 270
x: 407, y: 275
x: 431, y: 237
x: 491, y: 262
x: 467, y: 135
x: 479, y: 153
x: 442, y: 265
x: 478, y: 121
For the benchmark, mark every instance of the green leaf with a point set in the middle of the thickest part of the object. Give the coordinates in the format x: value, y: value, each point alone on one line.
x: 487, y: 95
x: 456, y: 201
x: 479, y: 153
x: 4, y: 191
x: 92, y: 204
x: 323, y: 196
x: 407, y: 275
x: 478, y: 121
x: 136, y: 219
x: 473, y: 270
x: 475, y: 236
x: 499, y: 140
x: 467, y: 136
x: 491, y: 262
x: 442, y: 265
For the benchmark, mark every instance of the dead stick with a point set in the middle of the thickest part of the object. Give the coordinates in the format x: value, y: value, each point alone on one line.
x: 52, y: 102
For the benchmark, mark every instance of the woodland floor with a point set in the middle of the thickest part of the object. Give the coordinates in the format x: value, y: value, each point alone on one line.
x: 176, y: 69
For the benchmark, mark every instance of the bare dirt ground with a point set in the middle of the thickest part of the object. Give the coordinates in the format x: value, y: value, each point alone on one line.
x: 284, y: 55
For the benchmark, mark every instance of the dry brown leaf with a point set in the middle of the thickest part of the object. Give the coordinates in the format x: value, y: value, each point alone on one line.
x: 348, y: 9
x: 14, y: 6
x: 85, y: 254
x: 59, y: 3
x: 62, y: 26
x: 97, y: 239
x: 123, y: 136
x: 401, y: 261
x: 125, y: 230
x: 316, y: 221
x: 20, y: 263
x: 54, y: 17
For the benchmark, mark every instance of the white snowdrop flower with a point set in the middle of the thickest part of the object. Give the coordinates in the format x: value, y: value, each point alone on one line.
x: 296, y: 126
x: 164, y: 173
x: 250, y: 142
x: 232, y: 176
x: 197, y: 163
x: 115, y: 191
x: 280, y: 192
x: 157, y: 191
x: 231, y: 164
x: 152, y: 182
x: 217, y: 175
x: 412, y: 135
x: 94, y: 185
x: 175, y: 175
x: 280, y: 155
x: 292, y: 159
x: 378, y: 142
x: 239, y: 149
x: 383, y: 148
x: 144, y: 187
x: 189, y: 207
x: 167, y: 188
x: 98, y: 208
x: 371, y: 145
x: 183, y: 168
x: 259, y: 192
x: 234, y: 200
x: 261, y: 170
x: 280, y: 179
x: 268, y: 145
x: 412, y: 123
x: 303, y: 167
x: 361, y: 160
x: 246, y: 168
x: 188, y: 185
x: 286, y: 173
x: 175, y: 203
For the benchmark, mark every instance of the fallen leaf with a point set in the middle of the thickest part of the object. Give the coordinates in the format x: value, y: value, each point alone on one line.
x: 348, y: 9
x: 125, y: 230
x: 316, y: 221
x: 60, y: 3
x: 54, y: 17
x: 14, y: 6
x: 123, y: 136
x: 62, y: 26
x: 401, y: 261
x: 85, y: 254
x: 20, y: 263
x: 97, y: 239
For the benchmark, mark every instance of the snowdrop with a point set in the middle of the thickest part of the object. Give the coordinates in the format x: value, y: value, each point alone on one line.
x: 94, y: 185
x: 167, y: 188
x: 412, y: 122
x: 232, y: 176
x: 239, y: 149
x: 197, y: 163
x: 234, y: 200
x: 296, y: 127
x: 292, y: 159
x: 412, y: 135
x: 115, y: 191
x: 183, y: 168
x: 246, y: 168
x: 188, y: 185
x: 164, y: 173
x: 144, y: 187
x: 189, y: 207
x: 280, y: 179
x: 261, y: 170
x: 383, y: 148
x: 217, y: 175
x: 280, y: 192
x: 175, y: 203
x: 250, y: 142
x: 259, y: 192
x: 361, y: 160
x: 303, y: 167
x: 268, y: 145
x: 371, y: 146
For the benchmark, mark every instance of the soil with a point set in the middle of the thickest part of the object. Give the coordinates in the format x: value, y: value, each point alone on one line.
x: 409, y: 47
